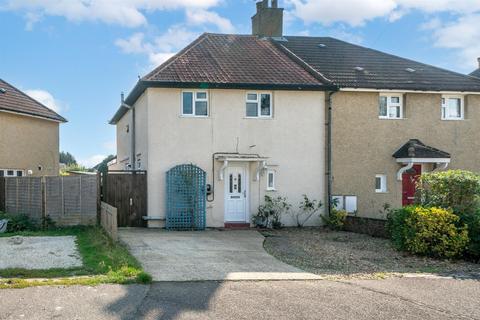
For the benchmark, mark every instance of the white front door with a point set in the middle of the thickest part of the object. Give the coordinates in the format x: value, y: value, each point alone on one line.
x: 236, y: 195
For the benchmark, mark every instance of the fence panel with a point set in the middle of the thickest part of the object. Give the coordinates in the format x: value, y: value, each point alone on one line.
x: 108, y: 220
x: 23, y: 195
x: 66, y: 200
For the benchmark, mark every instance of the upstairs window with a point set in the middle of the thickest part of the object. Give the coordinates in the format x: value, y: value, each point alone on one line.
x: 195, y: 103
x: 391, y: 106
x: 452, y: 108
x: 259, y: 105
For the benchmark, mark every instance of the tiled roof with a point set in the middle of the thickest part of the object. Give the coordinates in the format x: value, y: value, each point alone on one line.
x: 353, y: 66
x: 476, y: 73
x: 14, y: 100
x: 233, y: 59
x: 414, y: 148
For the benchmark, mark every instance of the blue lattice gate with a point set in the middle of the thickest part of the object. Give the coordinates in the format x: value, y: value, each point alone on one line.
x: 186, y: 198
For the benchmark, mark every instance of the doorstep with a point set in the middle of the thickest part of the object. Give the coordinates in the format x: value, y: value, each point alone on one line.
x: 237, y: 225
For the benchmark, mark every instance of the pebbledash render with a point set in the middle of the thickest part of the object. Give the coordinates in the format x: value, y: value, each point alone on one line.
x: 287, y: 116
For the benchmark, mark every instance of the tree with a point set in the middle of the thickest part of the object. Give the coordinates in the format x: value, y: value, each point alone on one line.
x: 67, y: 158
x: 103, y: 166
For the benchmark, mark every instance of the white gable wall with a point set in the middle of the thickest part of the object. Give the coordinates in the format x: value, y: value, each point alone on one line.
x: 293, y: 140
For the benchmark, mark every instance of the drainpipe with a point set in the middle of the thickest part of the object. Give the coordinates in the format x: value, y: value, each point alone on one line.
x: 133, y: 155
x: 329, y: 152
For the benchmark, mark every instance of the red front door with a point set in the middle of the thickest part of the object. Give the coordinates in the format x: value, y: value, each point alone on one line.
x: 409, y: 182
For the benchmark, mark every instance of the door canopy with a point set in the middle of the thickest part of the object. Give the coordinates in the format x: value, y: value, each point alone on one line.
x: 416, y: 152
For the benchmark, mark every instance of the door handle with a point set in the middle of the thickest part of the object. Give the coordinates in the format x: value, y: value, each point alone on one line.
x: 244, y: 193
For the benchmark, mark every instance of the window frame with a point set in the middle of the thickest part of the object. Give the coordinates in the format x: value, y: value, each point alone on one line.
x: 15, y: 173
x: 343, y: 201
x: 258, y: 101
x: 383, y: 183
x: 389, y: 97
x: 273, y: 187
x: 194, y: 105
x: 444, y: 107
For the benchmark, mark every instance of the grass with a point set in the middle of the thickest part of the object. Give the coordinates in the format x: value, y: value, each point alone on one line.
x: 103, y: 262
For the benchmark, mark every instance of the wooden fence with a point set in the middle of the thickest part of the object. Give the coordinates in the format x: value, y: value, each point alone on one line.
x: 66, y: 200
x: 108, y: 220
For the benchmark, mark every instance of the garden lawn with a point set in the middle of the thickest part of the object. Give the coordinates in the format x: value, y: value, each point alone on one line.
x: 103, y: 262
x: 345, y: 255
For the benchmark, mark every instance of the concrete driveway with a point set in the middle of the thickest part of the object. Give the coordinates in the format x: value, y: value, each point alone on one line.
x: 207, y: 255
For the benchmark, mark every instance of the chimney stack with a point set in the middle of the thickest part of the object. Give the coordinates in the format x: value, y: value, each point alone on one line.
x: 268, y: 21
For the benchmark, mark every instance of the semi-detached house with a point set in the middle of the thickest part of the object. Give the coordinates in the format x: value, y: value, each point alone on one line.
x: 269, y: 114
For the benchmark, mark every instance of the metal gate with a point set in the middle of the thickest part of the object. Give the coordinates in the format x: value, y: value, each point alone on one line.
x: 126, y: 191
x: 186, y: 198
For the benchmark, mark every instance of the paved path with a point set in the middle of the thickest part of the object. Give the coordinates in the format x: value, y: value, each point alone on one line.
x: 207, y: 255
x: 395, y: 298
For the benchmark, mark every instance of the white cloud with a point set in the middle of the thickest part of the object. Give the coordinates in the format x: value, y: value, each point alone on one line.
x: 92, y: 161
x: 357, y: 12
x: 462, y: 35
x: 161, y: 48
x: 45, y: 98
x: 129, y: 13
x: 202, y: 17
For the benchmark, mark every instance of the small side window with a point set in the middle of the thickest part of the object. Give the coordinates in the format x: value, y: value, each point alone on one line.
x: 380, y: 183
x: 452, y: 108
x: 270, y: 180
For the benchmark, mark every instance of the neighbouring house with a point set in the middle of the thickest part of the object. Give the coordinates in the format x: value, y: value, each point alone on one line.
x: 29, y: 135
x: 268, y: 114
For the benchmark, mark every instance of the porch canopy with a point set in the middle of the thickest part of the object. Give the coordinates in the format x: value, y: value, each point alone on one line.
x: 239, y: 157
x: 416, y: 152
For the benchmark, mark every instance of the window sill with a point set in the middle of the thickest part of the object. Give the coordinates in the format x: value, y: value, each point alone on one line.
x: 271, y: 190
x: 453, y: 119
x: 194, y: 117
x: 381, y: 192
x: 258, y: 118
x: 380, y: 118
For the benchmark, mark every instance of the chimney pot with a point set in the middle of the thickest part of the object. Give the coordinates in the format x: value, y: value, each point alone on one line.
x: 274, y: 4
x: 478, y: 59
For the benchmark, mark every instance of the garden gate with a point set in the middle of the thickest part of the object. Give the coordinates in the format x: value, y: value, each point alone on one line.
x: 126, y: 191
x: 186, y: 198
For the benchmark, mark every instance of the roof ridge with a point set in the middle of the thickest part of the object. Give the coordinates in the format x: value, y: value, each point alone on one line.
x: 36, y: 101
x: 402, y: 58
x: 167, y: 63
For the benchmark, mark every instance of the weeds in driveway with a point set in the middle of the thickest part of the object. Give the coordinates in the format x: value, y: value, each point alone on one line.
x: 103, y: 262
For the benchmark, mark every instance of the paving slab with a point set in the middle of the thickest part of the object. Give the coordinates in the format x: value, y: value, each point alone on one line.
x: 207, y: 255
x: 39, y: 253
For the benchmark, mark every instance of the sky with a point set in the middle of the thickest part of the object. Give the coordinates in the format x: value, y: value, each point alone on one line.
x: 77, y: 56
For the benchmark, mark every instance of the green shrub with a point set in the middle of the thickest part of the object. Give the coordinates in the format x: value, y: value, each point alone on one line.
x: 336, y: 219
x: 19, y: 222
x: 269, y: 214
x: 428, y: 231
x: 457, y: 190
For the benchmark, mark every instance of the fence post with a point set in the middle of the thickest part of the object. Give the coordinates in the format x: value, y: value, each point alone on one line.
x: 2, y: 194
x: 44, y: 198
x: 99, y: 195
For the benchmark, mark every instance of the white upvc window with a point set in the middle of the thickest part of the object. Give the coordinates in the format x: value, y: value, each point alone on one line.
x: 452, y: 107
x: 195, y: 103
x: 390, y: 106
x: 259, y: 105
x: 380, y: 183
x: 12, y: 173
x: 271, y: 180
